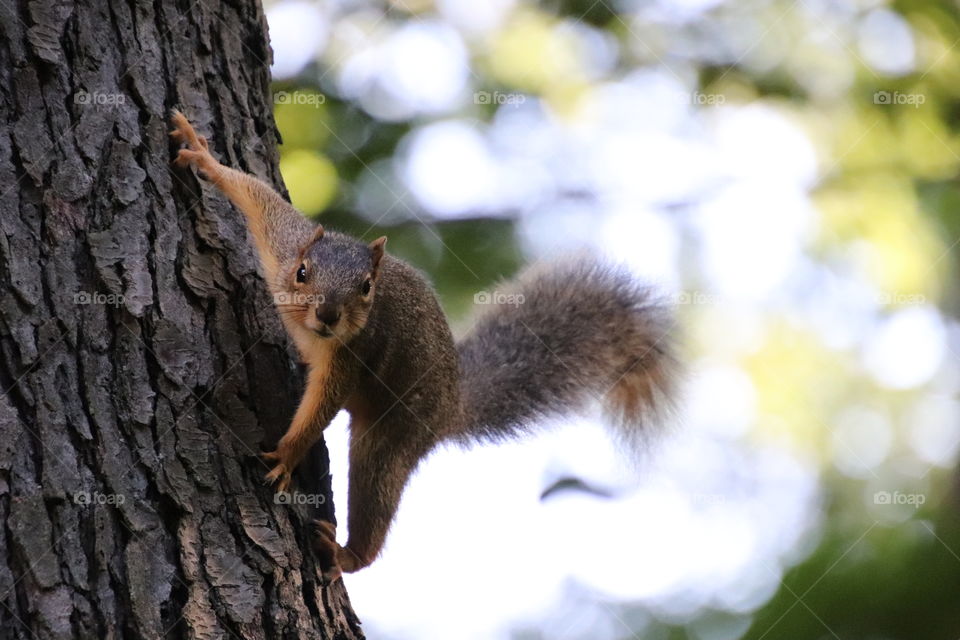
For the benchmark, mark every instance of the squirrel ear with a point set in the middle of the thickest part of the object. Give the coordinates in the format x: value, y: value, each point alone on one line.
x: 316, y: 235
x: 377, y: 248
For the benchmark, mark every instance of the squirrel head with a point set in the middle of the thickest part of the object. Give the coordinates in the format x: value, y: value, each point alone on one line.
x: 331, y: 284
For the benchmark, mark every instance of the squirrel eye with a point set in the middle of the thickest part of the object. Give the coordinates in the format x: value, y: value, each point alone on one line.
x: 302, y: 273
x: 365, y: 287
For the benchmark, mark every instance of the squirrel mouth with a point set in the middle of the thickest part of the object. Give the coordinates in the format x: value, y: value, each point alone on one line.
x: 324, y: 332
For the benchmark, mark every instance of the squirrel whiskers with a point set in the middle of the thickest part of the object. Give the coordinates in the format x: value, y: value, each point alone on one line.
x: 377, y: 343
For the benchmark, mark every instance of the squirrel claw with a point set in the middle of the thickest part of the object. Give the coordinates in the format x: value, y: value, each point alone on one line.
x: 197, y: 150
x: 179, y: 135
x: 185, y: 157
x: 279, y: 476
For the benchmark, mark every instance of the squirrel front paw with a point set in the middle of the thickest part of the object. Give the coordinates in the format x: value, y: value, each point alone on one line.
x: 197, y: 153
x: 280, y: 475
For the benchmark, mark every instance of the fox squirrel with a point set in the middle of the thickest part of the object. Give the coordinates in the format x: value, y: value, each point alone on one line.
x: 377, y: 344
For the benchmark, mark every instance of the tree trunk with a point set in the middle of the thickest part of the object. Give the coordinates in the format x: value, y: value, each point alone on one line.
x: 142, y: 365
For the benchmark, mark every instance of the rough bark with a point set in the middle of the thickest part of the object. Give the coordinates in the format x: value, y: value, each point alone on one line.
x: 142, y: 366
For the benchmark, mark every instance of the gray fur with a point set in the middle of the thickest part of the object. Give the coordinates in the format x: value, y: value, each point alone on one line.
x: 584, y: 330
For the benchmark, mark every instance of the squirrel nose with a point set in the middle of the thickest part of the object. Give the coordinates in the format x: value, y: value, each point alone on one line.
x: 328, y: 314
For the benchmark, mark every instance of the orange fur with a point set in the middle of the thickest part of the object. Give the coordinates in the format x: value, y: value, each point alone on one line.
x: 247, y: 193
x: 237, y: 186
x: 304, y: 430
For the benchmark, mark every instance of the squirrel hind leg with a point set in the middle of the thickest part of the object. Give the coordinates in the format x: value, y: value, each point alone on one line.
x: 334, y: 559
x: 324, y: 539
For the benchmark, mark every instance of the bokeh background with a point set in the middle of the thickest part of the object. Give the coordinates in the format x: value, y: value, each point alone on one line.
x: 786, y: 172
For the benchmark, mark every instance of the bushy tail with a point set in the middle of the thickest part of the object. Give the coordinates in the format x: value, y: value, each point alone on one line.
x: 559, y: 336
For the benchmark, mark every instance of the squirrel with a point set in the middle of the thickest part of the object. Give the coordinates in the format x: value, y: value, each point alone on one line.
x: 377, y: 343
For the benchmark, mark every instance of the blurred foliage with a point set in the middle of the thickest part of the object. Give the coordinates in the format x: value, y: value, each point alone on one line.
x: 874, y: 582
x: 887, y: 195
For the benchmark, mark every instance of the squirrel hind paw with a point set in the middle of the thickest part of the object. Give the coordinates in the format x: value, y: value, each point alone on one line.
x: 325, y: 530
x: 324, y: 540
